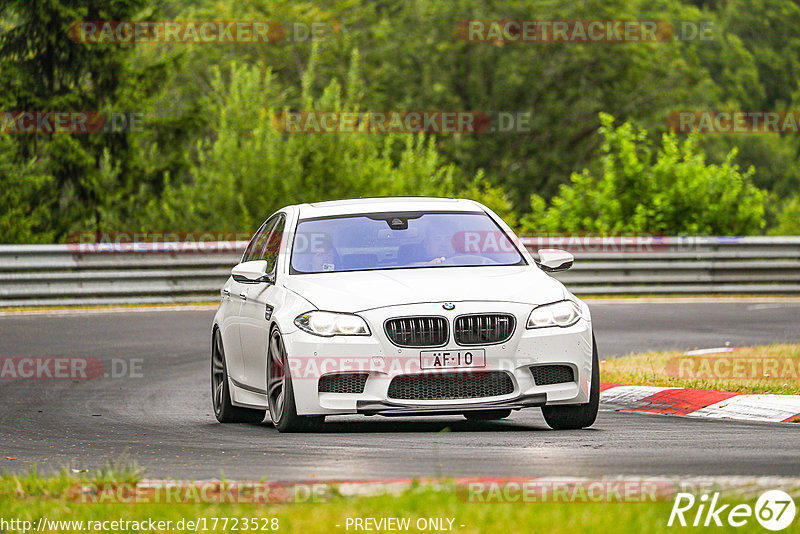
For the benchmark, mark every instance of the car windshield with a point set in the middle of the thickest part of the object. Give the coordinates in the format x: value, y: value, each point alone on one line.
x: 400, y: 241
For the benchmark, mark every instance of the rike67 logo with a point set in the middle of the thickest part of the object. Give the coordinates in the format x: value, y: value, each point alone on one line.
x: 774, y: 510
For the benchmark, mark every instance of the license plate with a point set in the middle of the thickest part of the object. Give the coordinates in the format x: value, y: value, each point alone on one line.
x: 449, y: 359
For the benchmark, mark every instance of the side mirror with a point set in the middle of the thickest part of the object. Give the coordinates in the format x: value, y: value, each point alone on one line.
x: 553, y: 259
x: 252, y: 272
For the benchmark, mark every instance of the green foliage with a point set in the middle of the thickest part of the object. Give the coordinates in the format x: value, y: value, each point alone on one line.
x: 563, y: 86
x: 248, y: 167
x: 23, y: 218
x: 42, y: 69
x: 754, y: 60
x: 772, y: 41
x: 210, y: 157
x: 788, y: 217
x: 667, y: 189
x: 493, y: 197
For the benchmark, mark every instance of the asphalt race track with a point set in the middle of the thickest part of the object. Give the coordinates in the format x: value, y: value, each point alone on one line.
x: 160, y: 415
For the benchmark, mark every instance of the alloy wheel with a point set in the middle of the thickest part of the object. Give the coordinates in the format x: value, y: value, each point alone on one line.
x: 276, y: 377
x: 217, y: 373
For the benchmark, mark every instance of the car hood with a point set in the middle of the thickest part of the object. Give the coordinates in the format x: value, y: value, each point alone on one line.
x: 363, y: 290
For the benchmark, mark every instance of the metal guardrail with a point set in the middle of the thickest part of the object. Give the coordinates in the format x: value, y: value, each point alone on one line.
x: 45, y: 275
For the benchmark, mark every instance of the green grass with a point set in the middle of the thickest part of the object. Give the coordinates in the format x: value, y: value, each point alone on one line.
x: 664, y: 369
x: 30, y: 496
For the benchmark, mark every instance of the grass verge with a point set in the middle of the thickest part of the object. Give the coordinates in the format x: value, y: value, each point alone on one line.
x: 31, y: 497
x: 764, y: 369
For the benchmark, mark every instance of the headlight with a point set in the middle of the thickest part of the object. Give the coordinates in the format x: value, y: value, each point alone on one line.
x: 562, y: 313
x: 323, y: 323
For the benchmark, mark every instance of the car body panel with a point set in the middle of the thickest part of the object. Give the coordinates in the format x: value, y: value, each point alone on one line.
x: 363, y: 290
x: 378, y: 295
x: 314, y: 356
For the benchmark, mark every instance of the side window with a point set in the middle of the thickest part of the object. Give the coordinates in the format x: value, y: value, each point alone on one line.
x: 273, y: 244
x: 256, y: 245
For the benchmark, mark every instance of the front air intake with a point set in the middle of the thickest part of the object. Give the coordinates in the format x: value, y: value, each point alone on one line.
x: 342, y: 383
x: 442, y: 386
x: 545, y: 375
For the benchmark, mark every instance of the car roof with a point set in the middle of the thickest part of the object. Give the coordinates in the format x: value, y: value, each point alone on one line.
x: 386, y: 204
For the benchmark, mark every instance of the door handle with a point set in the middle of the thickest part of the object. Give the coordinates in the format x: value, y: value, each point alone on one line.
x: 226, y: 292
x: 243, y: 294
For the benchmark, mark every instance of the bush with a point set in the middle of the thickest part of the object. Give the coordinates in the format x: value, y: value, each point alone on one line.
x: 668, y: 190
x: 788, y: 218
x: 247, y: 167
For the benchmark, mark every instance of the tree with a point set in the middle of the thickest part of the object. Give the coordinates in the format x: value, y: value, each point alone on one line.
x: 788, y: 217
x: 41, y: 70
x: 249, y: 167
x: 666, y: 190
x: 24, y: 217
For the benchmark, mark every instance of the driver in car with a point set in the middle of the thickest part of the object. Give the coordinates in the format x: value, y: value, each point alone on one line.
x: 437, y: 247
x: 324, y: 258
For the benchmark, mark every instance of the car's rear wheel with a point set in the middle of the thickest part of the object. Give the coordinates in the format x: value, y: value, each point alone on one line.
x: 224, y: 410
x: 280, y: 393
x: 581, y: 415
x: 487, y: 415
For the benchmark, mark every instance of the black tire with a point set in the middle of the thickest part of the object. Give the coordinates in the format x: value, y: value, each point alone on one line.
x: 487, y: 415
x: 224, y: 410
x: 280, y: 393
x: 581, y: 415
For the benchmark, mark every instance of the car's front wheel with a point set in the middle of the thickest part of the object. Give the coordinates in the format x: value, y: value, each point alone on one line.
x: 280, y: 394
x: 224, y: 410
x: 582, y: 415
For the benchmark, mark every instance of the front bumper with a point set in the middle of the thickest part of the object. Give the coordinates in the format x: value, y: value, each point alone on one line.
x: 395, y: 408
x: 311, y: 357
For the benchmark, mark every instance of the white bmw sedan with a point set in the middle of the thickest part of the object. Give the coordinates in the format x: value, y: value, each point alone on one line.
x: 399, y: 306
